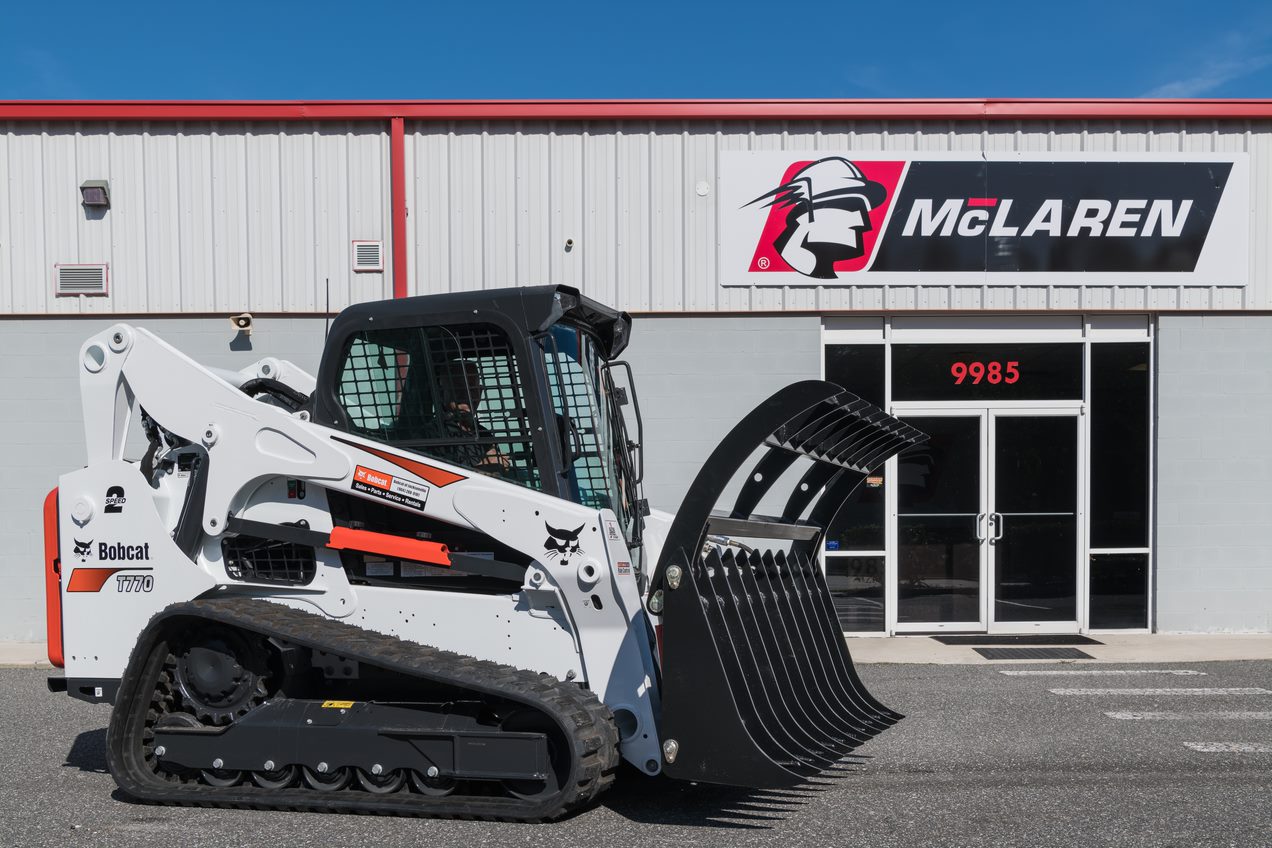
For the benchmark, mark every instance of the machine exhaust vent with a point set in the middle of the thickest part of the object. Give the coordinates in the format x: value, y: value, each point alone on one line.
x: 368, y: 256
x: 71, y: 280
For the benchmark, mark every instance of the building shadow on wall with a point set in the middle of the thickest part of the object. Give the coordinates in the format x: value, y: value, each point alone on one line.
x: 241, y: 341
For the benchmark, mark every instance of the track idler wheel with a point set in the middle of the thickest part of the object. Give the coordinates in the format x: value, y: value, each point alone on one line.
x: 438, y: 787
x: 382, y: 784
x: 172, y: 771
x: 277, y: 778
x: 223, y: 778
x: 327, y: 781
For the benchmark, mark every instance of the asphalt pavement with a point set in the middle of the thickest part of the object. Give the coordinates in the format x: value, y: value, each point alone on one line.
x: 1166, y: 755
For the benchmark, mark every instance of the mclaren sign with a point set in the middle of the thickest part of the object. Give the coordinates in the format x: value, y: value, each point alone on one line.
x: 858, y: 218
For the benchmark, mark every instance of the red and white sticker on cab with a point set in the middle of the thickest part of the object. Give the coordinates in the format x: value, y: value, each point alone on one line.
x: 389, y: 488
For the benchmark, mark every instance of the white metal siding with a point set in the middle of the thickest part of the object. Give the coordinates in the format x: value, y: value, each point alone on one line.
x: 493, y: 204
x: 225, y: 217
x: 204, y: 217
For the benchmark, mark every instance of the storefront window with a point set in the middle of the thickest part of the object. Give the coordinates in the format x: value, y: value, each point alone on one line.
x: 858, y: 526
x: 856, y: 587
x: 1119, y: 591
x: 859, y: 369
x: 1119, y: 445
x: 855, y: 538
x: 961, y: 515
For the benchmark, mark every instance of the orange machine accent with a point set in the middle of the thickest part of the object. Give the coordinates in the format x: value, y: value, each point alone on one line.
x: 437, y: 476
x: 398, y: 547
x: 52, y: 581
x: 89, y: 579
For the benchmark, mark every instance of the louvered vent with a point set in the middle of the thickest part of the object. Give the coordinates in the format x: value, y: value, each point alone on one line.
x: 368, y: 256
x: 71, y: 280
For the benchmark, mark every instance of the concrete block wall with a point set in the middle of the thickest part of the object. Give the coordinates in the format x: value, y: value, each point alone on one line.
x: 697, y: 376
x: 41, y: 424
x: 1214, y: 478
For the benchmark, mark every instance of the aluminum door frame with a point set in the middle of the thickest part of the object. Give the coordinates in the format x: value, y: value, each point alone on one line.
x: 1080, y: 547
x: 892, y: 543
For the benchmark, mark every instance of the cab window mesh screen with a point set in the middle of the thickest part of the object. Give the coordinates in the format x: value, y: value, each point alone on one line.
x: 450, y: 393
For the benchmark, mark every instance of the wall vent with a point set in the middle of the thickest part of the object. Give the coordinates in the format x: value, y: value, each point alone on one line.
x: 72, y: 280
x: 368, y: 256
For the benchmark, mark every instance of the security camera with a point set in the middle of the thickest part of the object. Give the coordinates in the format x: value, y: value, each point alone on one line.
x: 242, y: 322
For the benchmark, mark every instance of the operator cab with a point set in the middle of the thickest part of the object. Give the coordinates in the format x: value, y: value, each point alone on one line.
x: 514, y: 383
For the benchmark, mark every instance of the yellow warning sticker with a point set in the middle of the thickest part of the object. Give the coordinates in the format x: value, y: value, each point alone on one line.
x: 337, y: 705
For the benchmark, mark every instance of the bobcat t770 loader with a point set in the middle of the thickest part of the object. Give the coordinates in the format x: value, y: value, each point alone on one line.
x: 425, y: 581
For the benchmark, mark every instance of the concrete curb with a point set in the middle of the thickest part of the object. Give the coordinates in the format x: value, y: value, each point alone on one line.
x: 1116, y: 648
x: 24, y: 655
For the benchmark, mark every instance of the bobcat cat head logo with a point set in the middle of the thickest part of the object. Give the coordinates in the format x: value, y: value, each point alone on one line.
x: 562, y: 543
x: 83, y: 549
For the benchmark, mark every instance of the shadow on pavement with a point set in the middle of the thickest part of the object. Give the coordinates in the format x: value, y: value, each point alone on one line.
x: 88, y: 752
x: 672, y: 802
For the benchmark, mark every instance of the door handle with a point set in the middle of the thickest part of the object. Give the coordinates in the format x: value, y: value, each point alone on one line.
x: 999, y: 526
x: 980, y: 534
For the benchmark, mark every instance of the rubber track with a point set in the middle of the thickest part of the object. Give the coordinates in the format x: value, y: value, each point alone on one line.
x: 585, y: 721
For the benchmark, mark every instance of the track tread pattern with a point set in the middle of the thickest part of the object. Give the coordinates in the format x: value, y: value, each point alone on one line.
x: 586, y: 721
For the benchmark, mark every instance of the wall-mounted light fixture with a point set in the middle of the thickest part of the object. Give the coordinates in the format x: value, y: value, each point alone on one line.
x: 95, y: 193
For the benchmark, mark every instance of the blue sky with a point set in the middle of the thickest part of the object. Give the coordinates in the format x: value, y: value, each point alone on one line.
x: 375, y: 50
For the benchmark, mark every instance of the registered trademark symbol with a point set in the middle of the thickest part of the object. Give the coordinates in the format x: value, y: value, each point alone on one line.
x: 763, y: 263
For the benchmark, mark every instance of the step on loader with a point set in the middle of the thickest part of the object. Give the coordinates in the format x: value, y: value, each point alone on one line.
x: 425, y: 582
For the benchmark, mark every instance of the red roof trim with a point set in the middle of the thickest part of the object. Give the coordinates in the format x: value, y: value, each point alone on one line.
x: 581, y: 110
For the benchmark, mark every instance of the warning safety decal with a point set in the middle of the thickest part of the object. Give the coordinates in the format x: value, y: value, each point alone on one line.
x: 389, y: 488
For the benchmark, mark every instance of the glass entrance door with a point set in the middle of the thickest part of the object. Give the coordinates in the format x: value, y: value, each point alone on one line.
x: 941, y: 521
x: 987, y: 522
x: 1034, y: 521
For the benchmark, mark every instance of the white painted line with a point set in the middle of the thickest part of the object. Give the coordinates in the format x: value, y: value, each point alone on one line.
x: 1111, y: 671
x: 1252, y: 690
x: 1199, y: 716
x: 1231, y: 747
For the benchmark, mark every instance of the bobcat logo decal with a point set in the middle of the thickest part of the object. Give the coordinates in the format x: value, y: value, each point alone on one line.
x: 562, y: 543
x: 83, y: 550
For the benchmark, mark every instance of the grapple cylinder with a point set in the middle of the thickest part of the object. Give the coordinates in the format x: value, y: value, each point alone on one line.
x: 758, y: 687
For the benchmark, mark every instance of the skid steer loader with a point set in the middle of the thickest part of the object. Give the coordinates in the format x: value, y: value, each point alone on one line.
x: 426, y: 583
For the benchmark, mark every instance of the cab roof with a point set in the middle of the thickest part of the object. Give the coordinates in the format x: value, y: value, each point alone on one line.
x: 533, y: 309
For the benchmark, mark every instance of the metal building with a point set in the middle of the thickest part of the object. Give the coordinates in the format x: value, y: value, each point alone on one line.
x: 1071, y: 297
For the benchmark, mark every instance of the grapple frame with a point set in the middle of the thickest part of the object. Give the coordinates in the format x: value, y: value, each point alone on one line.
x: 758, y: 687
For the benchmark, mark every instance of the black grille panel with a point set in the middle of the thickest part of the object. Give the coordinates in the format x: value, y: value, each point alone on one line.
x: 256, y: 560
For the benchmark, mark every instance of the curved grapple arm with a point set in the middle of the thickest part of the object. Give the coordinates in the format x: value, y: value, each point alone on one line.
x: 758, y: 686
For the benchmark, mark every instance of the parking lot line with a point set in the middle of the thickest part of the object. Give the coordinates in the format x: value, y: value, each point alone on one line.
x: 1198, y: 716
x: 1246, y: 690
x: 1097, y: 672
x: 1231, y: 747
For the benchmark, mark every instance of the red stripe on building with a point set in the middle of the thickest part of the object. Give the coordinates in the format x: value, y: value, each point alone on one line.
x: 397, y: 176
x: 581, y: 110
